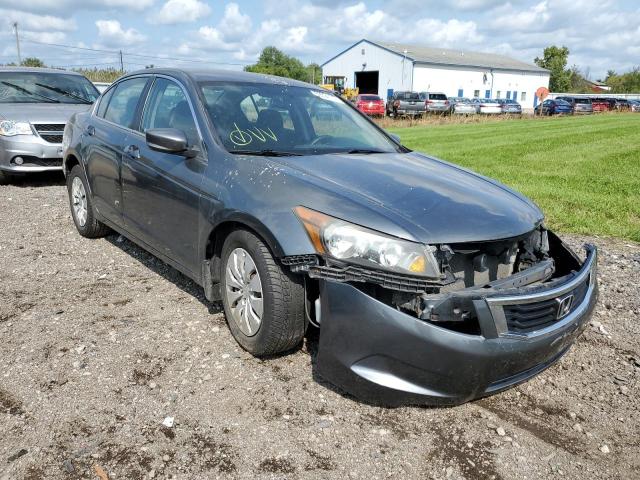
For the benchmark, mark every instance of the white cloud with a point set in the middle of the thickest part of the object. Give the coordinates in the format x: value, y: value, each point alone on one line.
x: 234, y: 24
x: 67, y: 6
x: 112, y: 34
x: 181, y: 11
x: 37, y: 23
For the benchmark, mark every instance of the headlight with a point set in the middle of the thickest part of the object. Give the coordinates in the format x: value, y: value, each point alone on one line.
x: 355, y: 244
x: 10, y: 128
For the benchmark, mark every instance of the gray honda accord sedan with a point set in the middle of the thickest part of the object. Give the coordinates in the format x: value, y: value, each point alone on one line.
x: 430, y: 284
x: 35, y: 104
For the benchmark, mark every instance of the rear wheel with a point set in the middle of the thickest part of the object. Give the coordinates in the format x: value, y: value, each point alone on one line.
x: 263, y: 303
x: 82, y: 207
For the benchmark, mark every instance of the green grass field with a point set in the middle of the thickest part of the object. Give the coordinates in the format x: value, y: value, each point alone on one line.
x: 584, y: 172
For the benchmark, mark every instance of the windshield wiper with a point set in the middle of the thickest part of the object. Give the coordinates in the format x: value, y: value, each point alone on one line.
x: 363, y: 150
x: 266, y: 153
x: 64, y: 92
x: 29, y: 92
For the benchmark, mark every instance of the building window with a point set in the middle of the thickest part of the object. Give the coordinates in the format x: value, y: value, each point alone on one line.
x: 476, y: 93
x: 363, y: 51
x: 498, y: 94
x: 523, y: 97
x: 508, y: 95
x: 460, y: 92
x: 487, y: 94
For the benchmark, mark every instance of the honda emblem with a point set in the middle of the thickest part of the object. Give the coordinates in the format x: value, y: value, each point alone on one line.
x: 564, y: 306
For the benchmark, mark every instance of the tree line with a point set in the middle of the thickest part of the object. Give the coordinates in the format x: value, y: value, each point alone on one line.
x: 575, y: 80
x: 273, y: 61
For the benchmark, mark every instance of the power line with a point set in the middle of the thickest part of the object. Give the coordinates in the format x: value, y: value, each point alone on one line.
x: 139, y: 55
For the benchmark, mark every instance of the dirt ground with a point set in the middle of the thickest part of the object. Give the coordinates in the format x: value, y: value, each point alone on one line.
x: 100, y: 344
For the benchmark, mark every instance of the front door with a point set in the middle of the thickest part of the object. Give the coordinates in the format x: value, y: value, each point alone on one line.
x: 161, y: 191
x: 105, y: 138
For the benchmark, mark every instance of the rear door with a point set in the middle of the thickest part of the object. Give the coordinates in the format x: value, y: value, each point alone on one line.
x: 104, y: 137
x: 161, y: 190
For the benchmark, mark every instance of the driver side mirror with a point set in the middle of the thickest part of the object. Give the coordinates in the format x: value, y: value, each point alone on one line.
x: 169, y: 140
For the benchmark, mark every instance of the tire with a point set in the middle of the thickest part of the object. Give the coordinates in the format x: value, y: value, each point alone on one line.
x: 5, y: 178
x: 283, y: 322
x: 90, y: 227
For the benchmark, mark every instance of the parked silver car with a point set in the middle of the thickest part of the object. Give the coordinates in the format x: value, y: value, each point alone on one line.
x: 35, y: 104
x: 462, y: 106
x: 435, y: 102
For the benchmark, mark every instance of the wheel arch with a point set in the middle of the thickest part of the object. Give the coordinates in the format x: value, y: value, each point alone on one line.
x: 216, y: 236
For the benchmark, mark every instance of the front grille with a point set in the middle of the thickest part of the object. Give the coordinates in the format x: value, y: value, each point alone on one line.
x: 50, y: 132
x: 52, y: 138
x: 49, y: 127
x: 528, y: 317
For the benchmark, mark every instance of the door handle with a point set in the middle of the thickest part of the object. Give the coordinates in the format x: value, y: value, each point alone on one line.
x: 90, y: 130
x: 132, y: 151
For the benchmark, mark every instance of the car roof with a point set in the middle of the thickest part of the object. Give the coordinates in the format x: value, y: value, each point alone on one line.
x: 215, y: 75
x: 38, y: 70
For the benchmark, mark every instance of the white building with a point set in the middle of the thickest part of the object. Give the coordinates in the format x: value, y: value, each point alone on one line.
x: 381, y: 68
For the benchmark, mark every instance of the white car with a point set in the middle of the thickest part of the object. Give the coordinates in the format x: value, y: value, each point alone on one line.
x: 487, y: 106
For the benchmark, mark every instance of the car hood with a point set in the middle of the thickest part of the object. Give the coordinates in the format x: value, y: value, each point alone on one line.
x: 434, y: 201
x: 40, y: 112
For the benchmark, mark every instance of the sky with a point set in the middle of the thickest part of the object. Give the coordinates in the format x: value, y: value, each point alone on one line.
x: 601, y: 35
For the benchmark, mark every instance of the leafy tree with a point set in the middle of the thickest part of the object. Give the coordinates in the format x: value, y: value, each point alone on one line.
x: 578, y: 82
x: 314, y: 73
x: 32, y: 62
x: 275, y: 62
x: 625, y: 83
x: 555, y: 59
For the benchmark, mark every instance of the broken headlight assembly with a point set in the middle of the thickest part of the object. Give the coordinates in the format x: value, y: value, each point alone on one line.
x: 354, y: 244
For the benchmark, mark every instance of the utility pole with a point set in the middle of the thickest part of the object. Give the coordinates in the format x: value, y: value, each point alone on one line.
x: 15, y: 27
x: 121, y: 63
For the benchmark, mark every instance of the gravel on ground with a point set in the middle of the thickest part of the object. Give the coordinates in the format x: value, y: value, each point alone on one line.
x: 113, y: 365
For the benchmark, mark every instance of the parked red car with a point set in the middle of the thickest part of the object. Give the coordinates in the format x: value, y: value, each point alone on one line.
x: 370, y: 105
x: 600, y: 104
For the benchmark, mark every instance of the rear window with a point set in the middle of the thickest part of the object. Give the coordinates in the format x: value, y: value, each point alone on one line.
x: 410, y: 96
x: 582, y: 100
x: 369, y: 98
x: 437, y: 96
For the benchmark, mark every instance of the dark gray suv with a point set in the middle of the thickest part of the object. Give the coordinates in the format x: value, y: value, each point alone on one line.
x: 430, y: 284
x: 35, y: 104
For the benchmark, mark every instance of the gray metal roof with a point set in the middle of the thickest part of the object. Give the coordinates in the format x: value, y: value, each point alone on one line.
x: 461, y: 58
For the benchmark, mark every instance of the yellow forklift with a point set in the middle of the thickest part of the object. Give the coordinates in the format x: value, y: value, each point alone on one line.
x: 337, y: 84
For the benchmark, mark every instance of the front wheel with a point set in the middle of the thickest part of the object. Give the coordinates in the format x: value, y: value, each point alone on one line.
x: 5, y: 178
x: 263, y: 303
x: 82, y: 207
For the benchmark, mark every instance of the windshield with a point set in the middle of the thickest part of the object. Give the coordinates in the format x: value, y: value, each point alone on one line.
x: 37, y: 87
x: 562, y: 102
x: 254, y: 118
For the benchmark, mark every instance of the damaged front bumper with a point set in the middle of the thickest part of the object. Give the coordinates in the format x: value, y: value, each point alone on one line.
x: 386, y: 356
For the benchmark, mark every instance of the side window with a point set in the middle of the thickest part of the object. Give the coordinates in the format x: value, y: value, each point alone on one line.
x: 122, y: 106
x: 104, y: 103
x: 168, y: 107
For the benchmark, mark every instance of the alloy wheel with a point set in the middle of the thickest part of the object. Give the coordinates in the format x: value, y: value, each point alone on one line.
x: 79, y: 201
x: 244, y: 291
